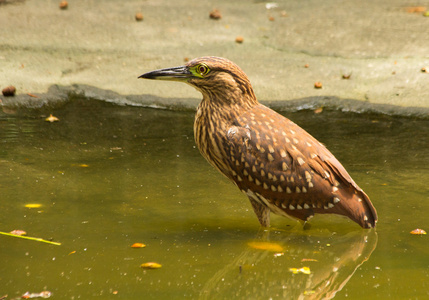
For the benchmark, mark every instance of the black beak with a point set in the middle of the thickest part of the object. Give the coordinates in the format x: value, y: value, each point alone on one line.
x: 178, y: 73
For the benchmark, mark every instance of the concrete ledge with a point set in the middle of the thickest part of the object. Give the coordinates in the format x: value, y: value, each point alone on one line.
x: 100, y: 44
x: 57, y: 96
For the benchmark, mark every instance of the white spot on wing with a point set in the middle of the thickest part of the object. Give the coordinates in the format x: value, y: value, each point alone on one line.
x: 284, y: 166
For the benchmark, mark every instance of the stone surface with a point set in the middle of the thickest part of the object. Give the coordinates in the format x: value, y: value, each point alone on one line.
x: 97, y: 48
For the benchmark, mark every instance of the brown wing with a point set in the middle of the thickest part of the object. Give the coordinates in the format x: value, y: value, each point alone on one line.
x: 280, y: 165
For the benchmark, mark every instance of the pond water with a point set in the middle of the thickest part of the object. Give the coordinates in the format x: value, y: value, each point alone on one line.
x: 109, y: 176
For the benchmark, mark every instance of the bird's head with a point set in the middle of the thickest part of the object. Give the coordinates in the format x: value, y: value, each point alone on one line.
x: 215, y: 77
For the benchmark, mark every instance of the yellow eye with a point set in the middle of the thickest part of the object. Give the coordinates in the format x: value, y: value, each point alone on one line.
x: 202, y: 69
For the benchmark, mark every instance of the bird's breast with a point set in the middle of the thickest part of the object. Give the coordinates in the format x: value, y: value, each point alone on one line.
x: 210, y: 133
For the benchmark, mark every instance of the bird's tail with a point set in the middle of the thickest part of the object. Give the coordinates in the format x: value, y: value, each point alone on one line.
x: 359, y: 208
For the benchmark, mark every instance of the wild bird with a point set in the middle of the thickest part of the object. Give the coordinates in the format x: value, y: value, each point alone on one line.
x: 276, y: 163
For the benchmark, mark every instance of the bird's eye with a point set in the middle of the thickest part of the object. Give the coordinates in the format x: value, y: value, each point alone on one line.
x: 202, y: 69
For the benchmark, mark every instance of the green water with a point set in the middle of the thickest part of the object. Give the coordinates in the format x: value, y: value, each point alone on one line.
x: 108, y: 176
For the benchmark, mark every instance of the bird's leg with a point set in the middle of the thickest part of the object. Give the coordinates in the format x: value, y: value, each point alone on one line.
x: 262, y: 212
x: 306, y: 225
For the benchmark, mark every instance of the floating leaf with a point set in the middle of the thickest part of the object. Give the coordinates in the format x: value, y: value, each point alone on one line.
x: 44, y: 294
x: 18, y: 232
x: 151, y: 265
x: 51, y: 119
x: 418, y: 231
x: 303, y: 270
x: 309, y: 259
x: 138, y: 245
x: 33, y: 205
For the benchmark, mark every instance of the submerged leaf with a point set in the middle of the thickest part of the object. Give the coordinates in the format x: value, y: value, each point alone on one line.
x: 266, y: 246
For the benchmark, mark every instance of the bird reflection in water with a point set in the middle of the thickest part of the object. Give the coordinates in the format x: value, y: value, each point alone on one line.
x: 331, y: 258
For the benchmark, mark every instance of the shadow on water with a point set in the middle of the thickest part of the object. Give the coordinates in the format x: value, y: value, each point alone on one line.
x: 108, y: 176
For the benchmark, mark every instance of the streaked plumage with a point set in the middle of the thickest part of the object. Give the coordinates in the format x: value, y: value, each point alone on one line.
x: 277, y: 164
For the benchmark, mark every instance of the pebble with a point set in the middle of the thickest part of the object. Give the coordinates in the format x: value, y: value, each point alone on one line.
x: 64, y: 4
x: 9, y: 91
x: 139, y: 17
x: 215, y: 14
x: 239, y: 39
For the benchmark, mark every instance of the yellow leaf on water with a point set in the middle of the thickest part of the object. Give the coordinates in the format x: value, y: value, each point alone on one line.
x: 418, y: 231
x: 151, y: 265
x: 303, y: 270
x: 33, y: 205
x: 265, y: 246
